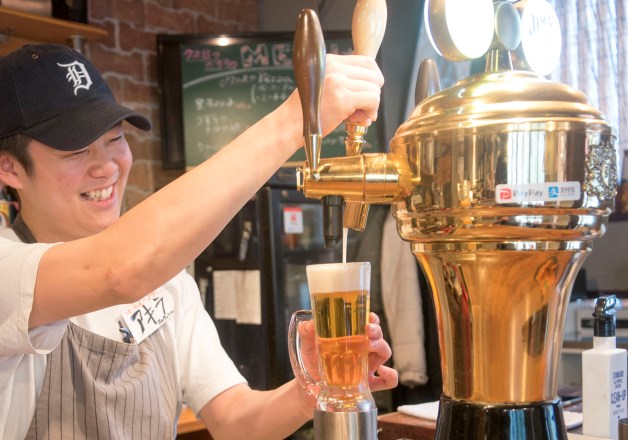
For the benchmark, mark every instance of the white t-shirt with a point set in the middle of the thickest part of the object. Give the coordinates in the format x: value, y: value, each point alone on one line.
x: 203, y: 367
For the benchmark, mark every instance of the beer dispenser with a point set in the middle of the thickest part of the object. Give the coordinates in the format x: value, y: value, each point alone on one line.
x: 499, y: 183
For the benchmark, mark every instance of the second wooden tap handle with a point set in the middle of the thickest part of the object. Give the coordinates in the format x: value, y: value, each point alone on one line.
x: 367, y: 30
x: 368, y: 26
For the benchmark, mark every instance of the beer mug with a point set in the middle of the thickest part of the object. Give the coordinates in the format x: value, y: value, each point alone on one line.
x: 340, y: 303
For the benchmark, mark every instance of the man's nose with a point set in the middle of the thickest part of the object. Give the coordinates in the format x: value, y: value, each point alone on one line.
x: 104, y: 161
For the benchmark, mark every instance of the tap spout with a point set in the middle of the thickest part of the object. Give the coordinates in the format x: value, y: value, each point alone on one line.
x: 332, y: 220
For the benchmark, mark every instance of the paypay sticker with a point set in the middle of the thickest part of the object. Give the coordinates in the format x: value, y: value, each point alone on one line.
x: 537, y: 192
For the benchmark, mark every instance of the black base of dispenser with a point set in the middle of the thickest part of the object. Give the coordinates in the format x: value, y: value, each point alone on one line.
x: 463, y: 420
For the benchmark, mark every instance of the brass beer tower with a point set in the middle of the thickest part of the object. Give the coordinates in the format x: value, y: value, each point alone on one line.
x: 499, y: 183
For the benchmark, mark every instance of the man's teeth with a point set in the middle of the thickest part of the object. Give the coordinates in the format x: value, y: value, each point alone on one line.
x: 99, y: 194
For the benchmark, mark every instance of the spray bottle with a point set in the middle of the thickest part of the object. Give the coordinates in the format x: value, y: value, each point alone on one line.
x: 604, y: 375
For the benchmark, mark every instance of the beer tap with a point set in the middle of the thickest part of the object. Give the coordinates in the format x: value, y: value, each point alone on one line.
x: 360, y: 178
x: 309, y: 68
x: 367, y: 30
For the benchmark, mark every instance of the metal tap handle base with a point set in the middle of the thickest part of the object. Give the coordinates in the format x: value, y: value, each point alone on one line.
x: 464, y: 420
x: 345, y: 425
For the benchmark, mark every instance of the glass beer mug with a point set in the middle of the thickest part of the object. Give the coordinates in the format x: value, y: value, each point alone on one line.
x: 340, y: 301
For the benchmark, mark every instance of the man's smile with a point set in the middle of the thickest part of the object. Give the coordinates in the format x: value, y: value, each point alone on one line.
x: 99, y: 194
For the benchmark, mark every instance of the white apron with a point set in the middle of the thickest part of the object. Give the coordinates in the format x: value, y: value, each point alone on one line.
x: 99, y: 389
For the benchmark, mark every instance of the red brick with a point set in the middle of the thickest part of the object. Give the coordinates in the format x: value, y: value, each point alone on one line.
x: 161, y: 19
x: 132, y: 92
x: 141, y: 175
x: 131, y: 38
x: 200, y: 6
x: 133, y: 196
x: 163, y: 177
x: 98, y: 9
x: 243, y: 13
x: 122, y: 63
x: 213, y: 26
x: 111, y: 26
x: 142, y: 146
x: 131, y: 11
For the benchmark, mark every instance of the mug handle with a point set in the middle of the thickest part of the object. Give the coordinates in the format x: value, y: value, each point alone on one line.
x: 304, y: 379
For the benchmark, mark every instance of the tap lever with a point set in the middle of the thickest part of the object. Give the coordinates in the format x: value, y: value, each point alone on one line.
x: 427, y: 81
x: 368, y: 26
x: 308, y: 56
x: 367, y: 30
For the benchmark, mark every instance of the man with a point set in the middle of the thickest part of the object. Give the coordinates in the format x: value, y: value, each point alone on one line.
x: 79, y: 354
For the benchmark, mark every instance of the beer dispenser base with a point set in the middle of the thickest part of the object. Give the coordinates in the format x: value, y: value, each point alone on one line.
x: 463, y: 420
x: 360, y: 425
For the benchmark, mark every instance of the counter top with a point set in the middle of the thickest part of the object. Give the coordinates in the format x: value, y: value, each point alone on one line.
x: 396, y: 425
x: 191, y: 428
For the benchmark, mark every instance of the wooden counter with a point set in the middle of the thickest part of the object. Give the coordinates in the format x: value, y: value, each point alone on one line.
x: 396, y: 425
x: 191, y: 428
x: 392, y: 426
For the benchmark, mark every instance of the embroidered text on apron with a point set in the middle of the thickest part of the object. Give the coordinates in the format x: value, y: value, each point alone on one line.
x: 98, y: 388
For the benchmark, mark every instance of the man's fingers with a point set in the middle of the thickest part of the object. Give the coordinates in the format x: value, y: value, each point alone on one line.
x: 386, y: 379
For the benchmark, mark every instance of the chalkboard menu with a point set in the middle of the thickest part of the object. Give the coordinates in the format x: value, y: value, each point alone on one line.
x: 213, y: 87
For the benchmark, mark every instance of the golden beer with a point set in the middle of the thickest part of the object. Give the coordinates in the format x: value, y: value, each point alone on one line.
x: 340, y: 320
x: 339, y: 293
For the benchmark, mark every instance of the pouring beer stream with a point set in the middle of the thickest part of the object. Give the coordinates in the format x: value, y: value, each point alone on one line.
x: 500, y: 184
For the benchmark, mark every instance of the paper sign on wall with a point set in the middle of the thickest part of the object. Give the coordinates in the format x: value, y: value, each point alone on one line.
x: 237, y: 295
x: 292, y: 220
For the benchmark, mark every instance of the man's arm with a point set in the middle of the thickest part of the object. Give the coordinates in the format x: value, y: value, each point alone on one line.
x: 160, y: 236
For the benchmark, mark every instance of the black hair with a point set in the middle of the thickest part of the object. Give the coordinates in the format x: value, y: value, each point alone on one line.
x: 16, y: 146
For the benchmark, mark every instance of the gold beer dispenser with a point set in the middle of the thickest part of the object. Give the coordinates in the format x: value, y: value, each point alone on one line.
x: 499, y: 183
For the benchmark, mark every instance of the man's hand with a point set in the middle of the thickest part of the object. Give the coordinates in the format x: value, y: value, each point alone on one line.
x: 379, y: 353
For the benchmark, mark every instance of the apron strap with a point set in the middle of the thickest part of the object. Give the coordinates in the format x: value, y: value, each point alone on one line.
x: 22, y: 231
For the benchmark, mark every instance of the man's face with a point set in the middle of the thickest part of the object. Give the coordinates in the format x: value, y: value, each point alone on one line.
x: 74, y: 194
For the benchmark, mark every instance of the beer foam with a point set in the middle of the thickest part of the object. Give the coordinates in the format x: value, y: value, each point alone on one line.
x: 339, y: 277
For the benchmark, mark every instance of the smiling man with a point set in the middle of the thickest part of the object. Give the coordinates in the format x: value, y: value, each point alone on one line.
x: 102, y: 333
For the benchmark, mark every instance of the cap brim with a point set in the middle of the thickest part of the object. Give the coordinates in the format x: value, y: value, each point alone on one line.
x: 79, y: 127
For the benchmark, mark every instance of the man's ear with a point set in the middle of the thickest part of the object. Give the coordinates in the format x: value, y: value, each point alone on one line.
x: 9, y: 173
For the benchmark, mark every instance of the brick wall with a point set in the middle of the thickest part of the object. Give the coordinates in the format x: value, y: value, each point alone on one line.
x: 127, y: 58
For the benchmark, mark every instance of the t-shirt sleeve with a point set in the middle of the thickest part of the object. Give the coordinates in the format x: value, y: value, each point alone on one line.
x: 206, y: 369
x: 18, y: 271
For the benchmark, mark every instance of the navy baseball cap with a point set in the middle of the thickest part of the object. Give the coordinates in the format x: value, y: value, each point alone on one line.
x: 53, y: 94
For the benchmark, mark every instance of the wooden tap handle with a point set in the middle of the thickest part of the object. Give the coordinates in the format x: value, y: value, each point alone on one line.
x: 308, y: 59
x: 369, y: 24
